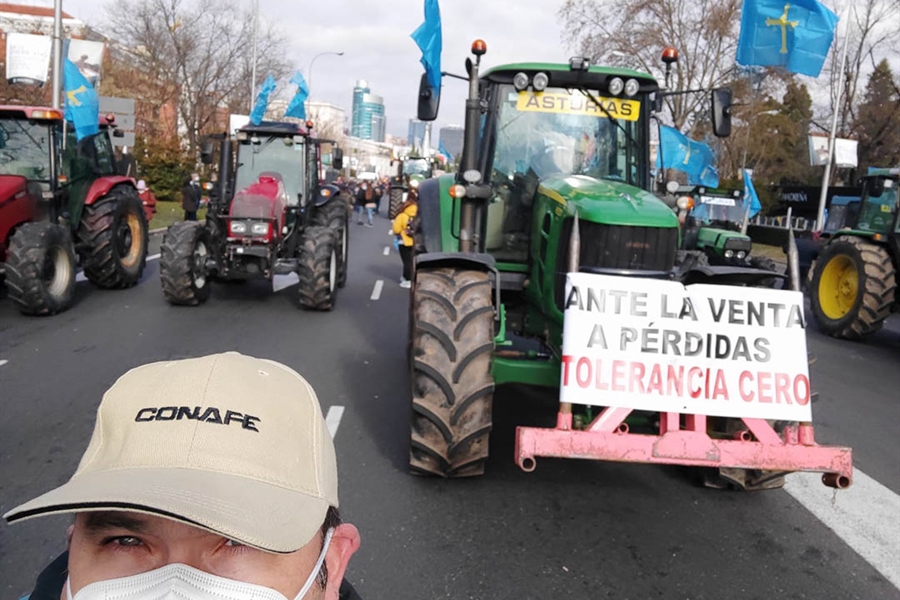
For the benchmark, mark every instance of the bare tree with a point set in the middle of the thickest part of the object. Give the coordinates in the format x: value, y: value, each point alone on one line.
x: 196, y: 56
x: 632, y: 33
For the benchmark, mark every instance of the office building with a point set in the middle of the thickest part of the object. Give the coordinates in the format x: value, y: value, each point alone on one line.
x: 368, y: 121
x: 416, y: 133
x: 451, y: 140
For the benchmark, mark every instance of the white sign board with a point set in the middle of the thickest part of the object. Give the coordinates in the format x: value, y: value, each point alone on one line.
x: 717, y: 201
x: 28, y: 57
x: 845, y: 153
x: 88, y: 57
x: 818, y: 150
x: 235, y: 122
x: 657, y: 345
x: 123, y: 109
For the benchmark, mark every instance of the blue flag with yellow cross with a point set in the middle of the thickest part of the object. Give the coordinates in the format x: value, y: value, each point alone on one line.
x: 82, y: 103
x: 794, y: 35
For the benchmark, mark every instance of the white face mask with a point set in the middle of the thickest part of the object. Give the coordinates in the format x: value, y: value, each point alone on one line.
x: 181, y: 582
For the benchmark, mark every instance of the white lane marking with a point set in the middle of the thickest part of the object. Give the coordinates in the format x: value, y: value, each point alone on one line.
x: 861, y: 516
x: 376, y: 291
x: 283, y: 281
x: 3, y: 362
x: 152, y: 257
x: 333, y: 419
x: 387, y: 250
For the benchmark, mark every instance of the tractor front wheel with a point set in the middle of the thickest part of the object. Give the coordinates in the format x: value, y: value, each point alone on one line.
x: 40, y: 268
x: 113, y: 234
x: 852, y: 288
x: 336, y: 216
x: 396, y: 201
x: 452, y: 339
x: 317, y: 268
x: 183, y: 264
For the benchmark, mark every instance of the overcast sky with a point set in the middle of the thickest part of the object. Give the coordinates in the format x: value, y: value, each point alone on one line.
x: 375, y: 39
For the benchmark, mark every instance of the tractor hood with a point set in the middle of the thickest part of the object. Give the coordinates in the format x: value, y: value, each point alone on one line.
x: 608, y: 202
x: 10, y: 186
x: 264, y: 199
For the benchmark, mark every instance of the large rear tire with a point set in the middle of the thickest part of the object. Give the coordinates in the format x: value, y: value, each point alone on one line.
x: 853, y: 288
x: 317, y: 267
x: 336, y: 216
x: 40, y: 269
x: 452, y: 331
x: 113, y: 234
x: 182, y: 264
x: 396, y: 201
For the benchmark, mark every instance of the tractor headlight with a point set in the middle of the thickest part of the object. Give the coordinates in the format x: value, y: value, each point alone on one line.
x: 259, y: 228
x: 616, y: 85
x: 237, y: 227
x: 414, y: 183
x: 729, y: 253
x: 741, y: 254
x: 520, y: 81
x: 632, y: 87
x: 540, y: 82
x: 685, y: 203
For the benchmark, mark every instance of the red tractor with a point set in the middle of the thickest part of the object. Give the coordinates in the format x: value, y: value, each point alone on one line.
x: 280, y: 220
x: 62, y: 201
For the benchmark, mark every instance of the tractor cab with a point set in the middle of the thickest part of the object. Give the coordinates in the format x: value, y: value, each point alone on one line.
x: 878, y: 212
x: 712, y: 223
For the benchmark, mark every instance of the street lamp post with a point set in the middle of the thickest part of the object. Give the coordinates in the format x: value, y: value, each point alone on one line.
x: 253, y: 59
x: 309, y: 70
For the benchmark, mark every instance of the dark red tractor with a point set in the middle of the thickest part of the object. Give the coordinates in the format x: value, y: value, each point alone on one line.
x: 281, y: 219
x: 63, y: 202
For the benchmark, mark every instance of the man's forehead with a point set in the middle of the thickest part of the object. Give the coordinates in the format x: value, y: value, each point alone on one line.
x: 113, y: 519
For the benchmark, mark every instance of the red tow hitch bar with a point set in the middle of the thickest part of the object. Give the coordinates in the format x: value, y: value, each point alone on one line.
x: 757, y: 446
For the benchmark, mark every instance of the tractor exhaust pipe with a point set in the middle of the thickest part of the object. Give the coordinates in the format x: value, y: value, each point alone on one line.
x: 793, y: 255
x: 225, y: 162
x: 469, y: 160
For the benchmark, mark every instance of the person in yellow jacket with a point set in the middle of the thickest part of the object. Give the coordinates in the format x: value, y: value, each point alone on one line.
x: 404, y: 222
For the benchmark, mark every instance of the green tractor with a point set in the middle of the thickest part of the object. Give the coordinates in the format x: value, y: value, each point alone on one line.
x: 854, y: 282
x: 712, y: 224
x: 555, y: 177
x: 411, y: 171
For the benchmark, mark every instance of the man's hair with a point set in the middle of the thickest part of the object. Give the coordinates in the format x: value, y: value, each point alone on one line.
x: 332, y: 520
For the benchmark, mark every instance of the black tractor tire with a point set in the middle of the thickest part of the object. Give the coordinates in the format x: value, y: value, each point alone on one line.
x: 766, y: 264
x: 396, y: 201
x: 336, y: 216
x: 876, y: 285
x: 452, y: 340
x: 113, y: 238
x: 40, y: 268
x: 317, y: 266
x: 182, y: 264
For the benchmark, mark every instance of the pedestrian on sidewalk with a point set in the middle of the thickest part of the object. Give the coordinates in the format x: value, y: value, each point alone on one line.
x: 190, y: 197
x: 148, y: 199
x: 405, y: 225
x: 365, y: 200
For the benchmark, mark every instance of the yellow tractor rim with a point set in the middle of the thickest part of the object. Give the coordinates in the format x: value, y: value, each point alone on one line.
x: 134, y: 251
x: 838, y: 287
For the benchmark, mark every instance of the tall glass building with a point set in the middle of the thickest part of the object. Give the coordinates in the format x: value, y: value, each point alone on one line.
x: 368, y: 114
x: 416, y: 133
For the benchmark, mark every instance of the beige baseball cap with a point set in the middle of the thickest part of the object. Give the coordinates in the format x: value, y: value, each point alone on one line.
x: 232, y: 444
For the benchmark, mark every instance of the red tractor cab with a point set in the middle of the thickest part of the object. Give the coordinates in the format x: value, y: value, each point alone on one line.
x: 63, y: 202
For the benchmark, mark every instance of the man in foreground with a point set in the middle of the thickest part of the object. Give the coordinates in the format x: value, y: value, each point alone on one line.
x: 206, y: 478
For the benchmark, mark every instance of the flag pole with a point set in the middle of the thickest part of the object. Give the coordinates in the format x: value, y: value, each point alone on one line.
x: 826, y: 178
x: 253, y: 59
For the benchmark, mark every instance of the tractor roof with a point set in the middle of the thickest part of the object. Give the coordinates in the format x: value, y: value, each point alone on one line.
x: 564, y: 76
x: 45, y: 113
x: 275, y: 129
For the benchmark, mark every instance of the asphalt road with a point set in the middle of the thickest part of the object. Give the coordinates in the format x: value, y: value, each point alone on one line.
x: 571, y: 529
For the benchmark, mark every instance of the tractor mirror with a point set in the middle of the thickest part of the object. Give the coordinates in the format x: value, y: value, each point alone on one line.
x: 429, y: 100
x: 337, y: 159
x: 876, y: 187
x: 206, y: 152
x: 721, y: 112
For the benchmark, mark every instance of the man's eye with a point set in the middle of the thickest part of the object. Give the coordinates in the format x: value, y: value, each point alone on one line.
x: 233, y: 543
x: 127, y: 540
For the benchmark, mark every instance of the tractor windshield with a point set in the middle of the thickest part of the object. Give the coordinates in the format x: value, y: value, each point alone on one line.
x: 877, y: 212
x: 279, y: 154
x: 719, y: 209
x: 25, y: 148
x: 416, y: 166
x: 561, y: 131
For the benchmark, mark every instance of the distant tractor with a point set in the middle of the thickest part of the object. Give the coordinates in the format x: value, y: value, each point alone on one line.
x: 63, y: 202
x: 268, y: 216
x: 854, y: 281
x: 712, y: 224
x: 411, y: 171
